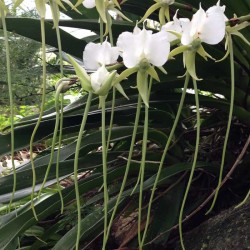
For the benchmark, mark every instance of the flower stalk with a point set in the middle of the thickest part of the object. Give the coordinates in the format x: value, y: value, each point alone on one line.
x: 131, y: 150
x: 104, y: 164
x: 171, y: 135
x: 42, y: 22
x: 76, y: 159
x: 230, y: 115
x: 198, y: 124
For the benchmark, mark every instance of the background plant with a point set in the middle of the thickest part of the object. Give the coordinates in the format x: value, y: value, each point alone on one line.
x: 163, y: 104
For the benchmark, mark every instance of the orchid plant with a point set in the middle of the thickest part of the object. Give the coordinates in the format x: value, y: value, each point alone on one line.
x: 143, y: 52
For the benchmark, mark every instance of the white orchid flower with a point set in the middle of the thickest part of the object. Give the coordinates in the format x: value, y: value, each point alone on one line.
x: 101, y: 81
x: 143, y: 46
x: 141, y: 51
x: 96, y: 55
x: 207, y: 26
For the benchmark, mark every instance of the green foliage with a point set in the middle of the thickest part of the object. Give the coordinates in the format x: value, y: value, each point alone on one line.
x: 55, y: 230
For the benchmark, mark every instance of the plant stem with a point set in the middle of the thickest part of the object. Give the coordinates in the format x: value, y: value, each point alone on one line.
x: 109, y: 23
x: 244, y: 201
x: 58, y: 92
x: 142, y: 167
x: 111, y: 117
x: 78, y: 145
x: 60, y: 50
x: 194, y: 162
x: 165, y: 152
x: 12, y: 139
x: 104, y: 164
x: 59, y: 44
x: 42, y: 21
x: 139, y: 174
x: 138, y: 111
x: 58, y: 152
x: 230, y: 44
x: 234, y: 21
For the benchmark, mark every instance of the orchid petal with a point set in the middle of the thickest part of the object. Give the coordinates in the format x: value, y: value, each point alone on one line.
x: 186, y: 37
x: 130, y: 47
x: 96, y: 55
x: 89, y: 56
x: 89, y: 4
x: 214, y: 18
x: 158, y: 48
x: 143, y: 46
x: 197, y: 22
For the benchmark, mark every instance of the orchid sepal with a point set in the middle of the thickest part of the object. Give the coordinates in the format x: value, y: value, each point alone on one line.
x: 162, y: 16
x: 167, y: 13
x: 178, y: 50
x: 242, y: 37
x: 152, y: 72
x: 41, y: 8
x: 17, y: 3
x: 3, y: 10
x: 177, y: 34
x: 189, y: 59
x: 79, y: 2
x: 71, y: 5
x: 125, y: 74
x: 101, y: 8
x: 201, y: 51
x: 55, y: 13
x: 119, y: 87
x: 234, y: 31
x: 152, y: 9
x: 162, y: 70
x: 82, y: 74
x: 59, y: 3
x: 142, y: 86
x: 117, y: 4
x: 224, y: 57
x: 122, y: 15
